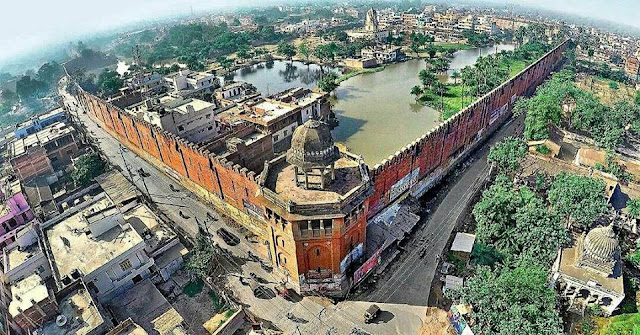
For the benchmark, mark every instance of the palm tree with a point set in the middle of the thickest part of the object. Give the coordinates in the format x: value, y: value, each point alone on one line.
x: 455, y: 75
x: 416, y: 91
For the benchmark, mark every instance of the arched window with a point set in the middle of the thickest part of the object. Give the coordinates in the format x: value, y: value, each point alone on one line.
x: 317, y: 251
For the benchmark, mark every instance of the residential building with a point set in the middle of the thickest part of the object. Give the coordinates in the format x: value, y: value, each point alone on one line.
x: 383, y: 54
x: 39, y: 122
x: 316, y: 204
x: 145, y: 306
x: 43, y: 152
x: 78, y: 313
x: 32, y: 303
x: 190, y: 118
x: 632, y: 67
x: 145, y: 82
x: 24, y: 257
x: 15, y: 212
x: 97, y: 245
x: 236, y: 92
x: 186, y: 83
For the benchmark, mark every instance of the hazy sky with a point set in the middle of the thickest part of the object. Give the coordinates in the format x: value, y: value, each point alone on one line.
x: 25, y: 24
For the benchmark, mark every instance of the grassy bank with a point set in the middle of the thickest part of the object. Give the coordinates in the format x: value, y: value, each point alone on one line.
x: 359, y: 72
x: 456, y: 46
x: 452, y: 99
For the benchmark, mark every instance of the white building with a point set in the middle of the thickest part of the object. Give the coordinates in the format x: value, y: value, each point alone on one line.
x: 98, y: 245
x: 192, y: 119
x: 24, y: 257
x: 186, y: 82
x: 382, y: 53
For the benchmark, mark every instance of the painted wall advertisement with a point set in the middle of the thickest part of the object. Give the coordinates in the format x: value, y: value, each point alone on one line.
x: 404, y: 184
x: 355, y: 254
x: 496, y: 113
x: 369, y: 265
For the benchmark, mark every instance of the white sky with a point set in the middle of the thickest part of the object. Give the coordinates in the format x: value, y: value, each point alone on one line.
x: 25, y: 24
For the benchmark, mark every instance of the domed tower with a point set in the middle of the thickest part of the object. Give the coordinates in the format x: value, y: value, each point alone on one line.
x: 371, y: 20
x: 600, y: 251
x: 313, y: 155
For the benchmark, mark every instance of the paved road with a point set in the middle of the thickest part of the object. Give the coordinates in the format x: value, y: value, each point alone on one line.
x: 315, y: 317
x: 408, y: 279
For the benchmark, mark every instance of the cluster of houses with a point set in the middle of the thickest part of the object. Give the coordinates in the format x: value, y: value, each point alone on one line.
x: 68, y: 251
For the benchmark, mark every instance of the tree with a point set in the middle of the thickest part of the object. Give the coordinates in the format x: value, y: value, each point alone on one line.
x: 633, y: 208
x: 200, y: 260
x: 287, y: 50
x: 109, y: 82
x: 50, y: 72
x: 496, y: 210
x: 27, y: 87
x: 508, y: 154
x: 225, y: 62
x: 303, y: 49
x: 455, y: 75
x: 416, y: 91
x: 579, y: 199
x: 243, y: 52
x: 511, y: 301
x: 328, y: 82
x: 86, y: 168
x: 326, y: 52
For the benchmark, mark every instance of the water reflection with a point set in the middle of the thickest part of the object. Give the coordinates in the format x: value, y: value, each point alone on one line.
x: 274, y: 76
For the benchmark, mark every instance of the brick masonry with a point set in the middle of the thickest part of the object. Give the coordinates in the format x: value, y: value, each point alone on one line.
x: 233, y: 190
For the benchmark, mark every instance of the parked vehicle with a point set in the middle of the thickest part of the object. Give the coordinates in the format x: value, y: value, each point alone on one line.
x: 371, y: 313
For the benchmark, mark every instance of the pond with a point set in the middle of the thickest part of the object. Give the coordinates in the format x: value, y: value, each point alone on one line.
x: 276, y: 76
x: 377, y: 114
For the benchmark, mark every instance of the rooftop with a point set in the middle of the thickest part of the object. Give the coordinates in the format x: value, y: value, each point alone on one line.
x: 117, y: 187
x: 147, y: 307
x: 568, y: 268
x: 82, y: 315
x: 463, y: 242
x: 29, y: 289
x: 46, y: 135
x: 18, y: 255
x: 74, y: 247
x: 148, y: 225
x: 179, y: 105
x: 42, y: 116
x: 13, y: 206
x: 281, y: 180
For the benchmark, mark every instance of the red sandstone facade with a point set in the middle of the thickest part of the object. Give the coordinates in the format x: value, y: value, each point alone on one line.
x: 234, y: 190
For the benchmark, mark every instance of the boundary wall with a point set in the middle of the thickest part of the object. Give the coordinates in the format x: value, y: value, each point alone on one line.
x: 234, y: 191
x: 418, y: 166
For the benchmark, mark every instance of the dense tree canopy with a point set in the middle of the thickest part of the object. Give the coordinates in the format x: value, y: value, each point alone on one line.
x: 508, y: 154
x: 109, y: 82
x: 28, y: 88
x: 86, y: 168
x: 579, y: 199
x: 511, y: 301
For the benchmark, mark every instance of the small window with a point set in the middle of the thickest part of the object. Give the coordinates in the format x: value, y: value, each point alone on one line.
x: 317, y: 251
x: 126, y: 265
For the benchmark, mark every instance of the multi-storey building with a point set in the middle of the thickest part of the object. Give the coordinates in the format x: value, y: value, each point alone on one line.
x: 383, y: 54
x: 43, y: 152
x: 15, y: 212
x: 190, y: 118
x: 39, y: 122
x: 315, y: 198
x: 100, y: 247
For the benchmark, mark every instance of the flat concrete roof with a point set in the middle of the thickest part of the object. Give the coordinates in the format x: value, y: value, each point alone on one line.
x: 463, y: 242
x: 17, y: 256
x: 82, y: 315
x: 281, y: 180
x: 147, y: 307
x: 86, y: 252
x: 46, y: 135
x: 26, y: 290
